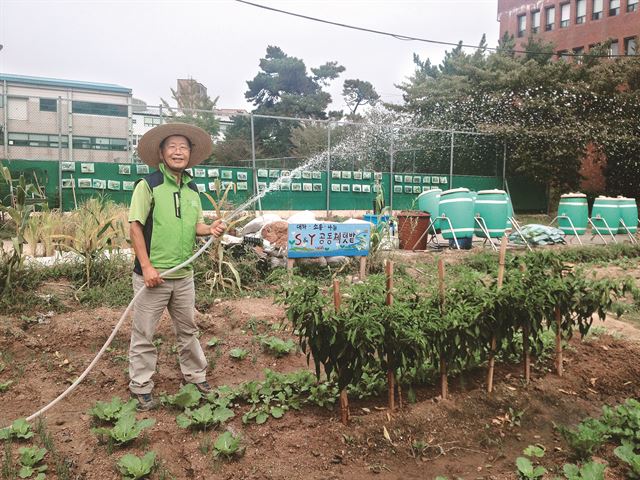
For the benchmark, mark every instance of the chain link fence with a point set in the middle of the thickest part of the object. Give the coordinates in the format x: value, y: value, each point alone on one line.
x: 345, y: 159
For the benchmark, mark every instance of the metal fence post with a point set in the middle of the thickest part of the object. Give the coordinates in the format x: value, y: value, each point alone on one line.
x: 69, y: 127
x: 391, y: 172
x: 451, y: 161
x: 328, y: 186
x: 59, y: 110
x: 5, y: 120
x: 253, y: 164
x: 504, y: 165
x: 160, y: 113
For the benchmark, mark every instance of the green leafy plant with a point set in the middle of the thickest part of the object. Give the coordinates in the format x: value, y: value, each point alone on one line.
x: 204, y: 417
x: 227, y: 445
x: 277, y: 346
x: 113, y: 410
x: 213, y: 341
x: 126, y: 429
x: 30, y: 457
x: 187, y: 397
x: 526, y: 469
x: 586, y: 438
x: 133, y: 467
x: 20, y: 428
x: 626, y: 453
x: 588, y: 471
x: 537, y: 451
x: 4, y: 386
x: 238, y: 353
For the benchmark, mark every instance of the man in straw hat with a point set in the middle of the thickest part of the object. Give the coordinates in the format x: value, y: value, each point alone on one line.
x: 165, y: 216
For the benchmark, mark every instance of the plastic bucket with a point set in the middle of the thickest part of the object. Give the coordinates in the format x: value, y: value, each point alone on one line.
x: 456, y: 213
x: 412, y: 227
x: 605, y: 215
x: 628, y: 210
x: 573, y: 209
x: 491, y: 208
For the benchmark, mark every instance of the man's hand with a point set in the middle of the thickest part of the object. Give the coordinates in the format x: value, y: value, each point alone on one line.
x: 217, y: 228
x: 151, y: 277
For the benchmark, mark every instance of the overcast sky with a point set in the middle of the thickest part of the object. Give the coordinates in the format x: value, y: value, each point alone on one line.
x: 146, y: 44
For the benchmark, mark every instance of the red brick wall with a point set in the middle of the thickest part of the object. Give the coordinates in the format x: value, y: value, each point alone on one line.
x: 622, y: 26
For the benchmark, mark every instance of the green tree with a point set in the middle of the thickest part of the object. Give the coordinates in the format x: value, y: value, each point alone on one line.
x: 358, y: 92
x: 283, y: 87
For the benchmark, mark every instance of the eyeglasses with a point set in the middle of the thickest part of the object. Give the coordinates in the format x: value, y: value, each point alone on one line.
x: 180, y: 148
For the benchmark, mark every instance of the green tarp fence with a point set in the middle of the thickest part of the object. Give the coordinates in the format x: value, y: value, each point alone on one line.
x: 306, y: 190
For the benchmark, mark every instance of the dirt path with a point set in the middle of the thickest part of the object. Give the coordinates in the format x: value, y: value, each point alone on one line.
x: 617, y: 327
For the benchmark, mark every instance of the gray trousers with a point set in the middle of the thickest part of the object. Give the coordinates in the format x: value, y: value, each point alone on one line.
x: 178, y: 296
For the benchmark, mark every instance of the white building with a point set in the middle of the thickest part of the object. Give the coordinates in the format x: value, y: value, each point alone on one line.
x: 41, y: 118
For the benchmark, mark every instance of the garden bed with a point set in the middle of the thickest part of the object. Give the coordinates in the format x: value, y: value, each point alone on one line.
x: 470, y: 435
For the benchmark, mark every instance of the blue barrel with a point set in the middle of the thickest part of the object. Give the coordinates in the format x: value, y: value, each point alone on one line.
x: 573, y: 206
x: 429, y: 202
x: 628, y: 210
x: 605, y: 215
x: 457, y: 206
x: 491, y: 207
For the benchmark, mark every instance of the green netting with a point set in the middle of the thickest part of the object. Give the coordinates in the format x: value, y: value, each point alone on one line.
x: 310, y: 190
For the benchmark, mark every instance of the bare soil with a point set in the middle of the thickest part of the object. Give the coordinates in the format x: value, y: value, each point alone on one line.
x: 471, y: 435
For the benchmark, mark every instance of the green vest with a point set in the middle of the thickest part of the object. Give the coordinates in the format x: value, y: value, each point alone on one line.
x: 170, y: 228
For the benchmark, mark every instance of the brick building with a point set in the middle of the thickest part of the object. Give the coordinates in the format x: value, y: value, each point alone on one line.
x: 573, y: 26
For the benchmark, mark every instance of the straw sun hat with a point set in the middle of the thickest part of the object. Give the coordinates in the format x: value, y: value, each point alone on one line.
x: 149, y: 144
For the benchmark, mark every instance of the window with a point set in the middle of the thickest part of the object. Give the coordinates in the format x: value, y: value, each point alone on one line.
x: 522, y: 25
x: 134, y: 121
x: 630, y: 46
x: 614, y: 7
x: 100, y: 143
x: 632, y: 5
x: 563, y: 55
x: 578, y: 53
x: 94, y: 108
x: 597, y: 10
x: 535, y: 22
x: 48, y: 105
x: 35, y: 140
x: 613, y: 49
x: 18, y: 109
x: 581, y: 11
x: 550, y: 18
x: 565, y: 15
x: 151, y: 121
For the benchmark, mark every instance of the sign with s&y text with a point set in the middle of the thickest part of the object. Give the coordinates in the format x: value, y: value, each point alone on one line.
x: 328, y: 239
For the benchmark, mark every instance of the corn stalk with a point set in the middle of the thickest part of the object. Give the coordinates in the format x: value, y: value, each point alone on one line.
x: 223, y: 273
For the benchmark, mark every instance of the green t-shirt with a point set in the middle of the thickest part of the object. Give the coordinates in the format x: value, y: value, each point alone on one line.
x: 175, y: 211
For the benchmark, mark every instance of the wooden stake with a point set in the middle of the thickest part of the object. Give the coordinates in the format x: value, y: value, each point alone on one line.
x: 559, y: 369
x: 494, y: 340
x: 444, y: 382
x: 344, y: 398
x: 525, y: 346
x: 290, y: 263
x: 391, y: 380
x: 527, y: 355
x: 363, y: 268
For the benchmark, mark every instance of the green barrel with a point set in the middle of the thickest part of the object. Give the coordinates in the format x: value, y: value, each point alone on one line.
x: 573, y: 206
x: 457, y: 206
x: 509, y: 212
x: 429, y: 202
x: 628, y: 214
x: 605, y: 212
x: 491, y: 206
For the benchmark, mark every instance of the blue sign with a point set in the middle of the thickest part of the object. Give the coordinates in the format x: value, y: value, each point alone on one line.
x: 329, y: 239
